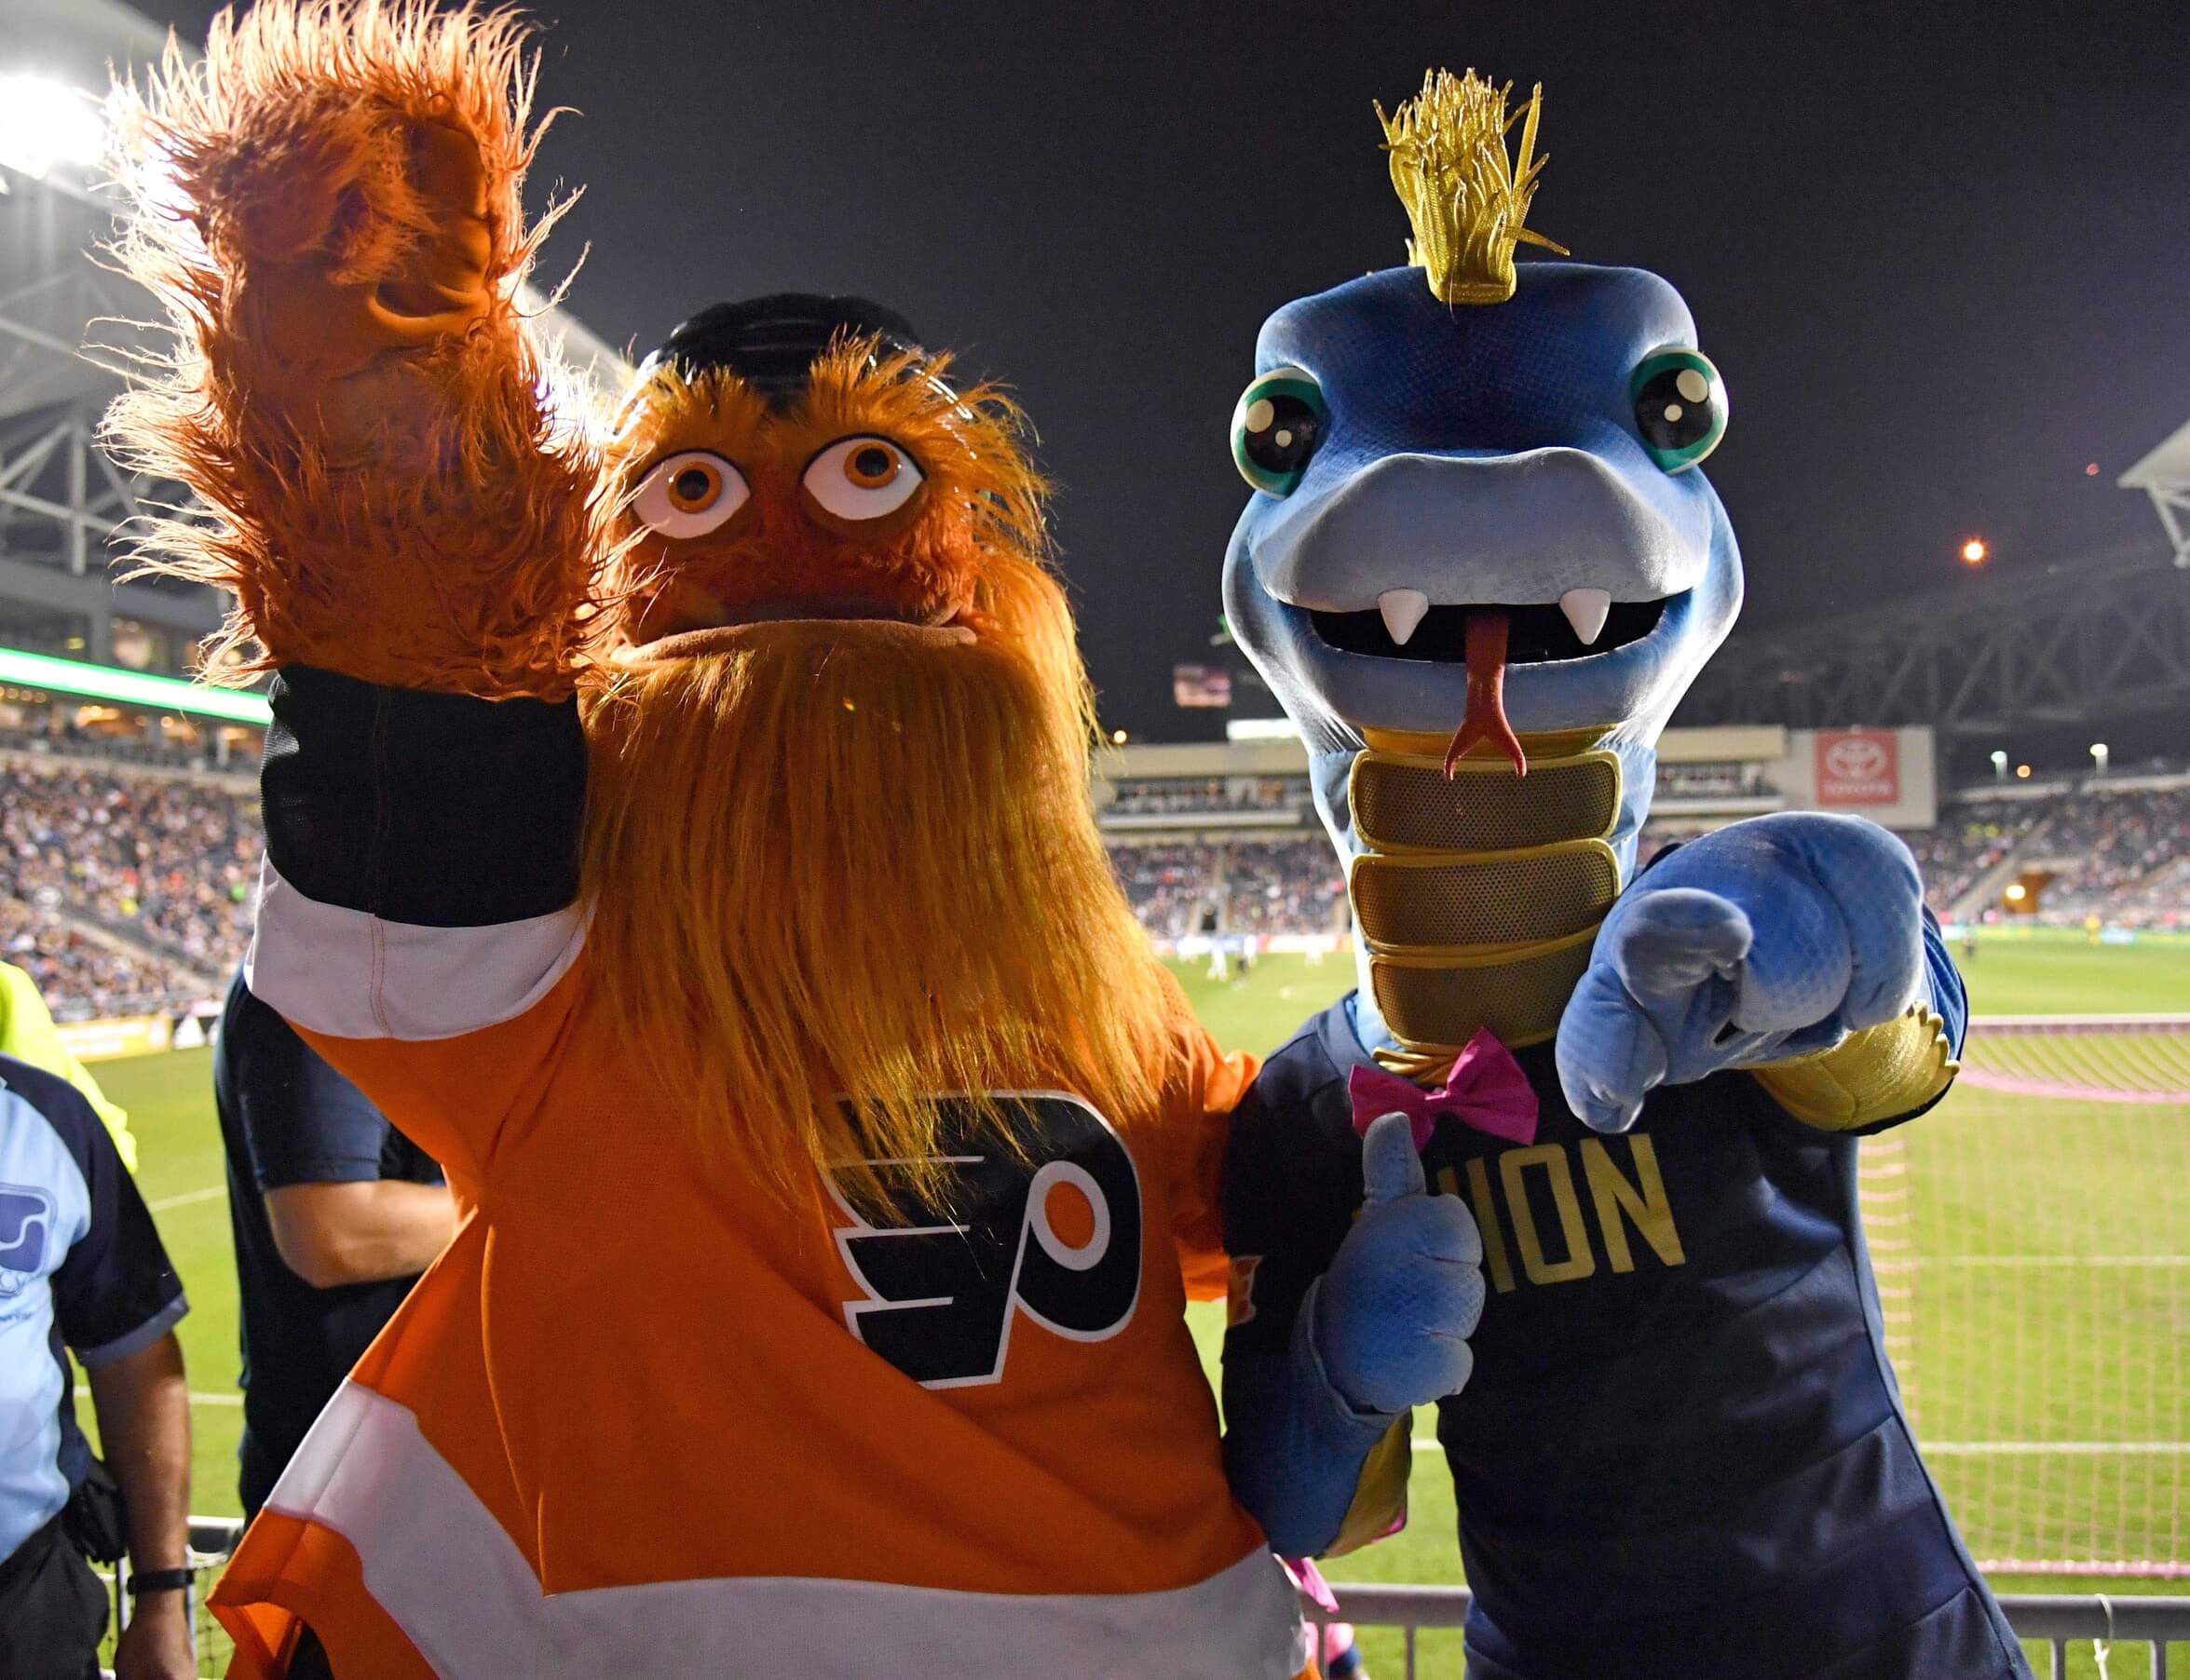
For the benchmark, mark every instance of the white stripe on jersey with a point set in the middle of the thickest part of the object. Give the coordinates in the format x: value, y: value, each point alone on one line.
x: 350, y: 975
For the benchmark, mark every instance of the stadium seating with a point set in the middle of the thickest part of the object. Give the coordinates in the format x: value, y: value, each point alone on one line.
x: 163, y: 863
x: 127, y: 884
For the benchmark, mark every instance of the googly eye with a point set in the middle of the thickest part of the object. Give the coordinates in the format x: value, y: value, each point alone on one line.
x: 862, y: 478
x: 689, y: 494
x: 1679, y: 406
x: 1277, y: 424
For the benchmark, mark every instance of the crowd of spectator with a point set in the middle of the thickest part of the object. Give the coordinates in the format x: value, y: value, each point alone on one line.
x: 1969, y: 840
x: 200, y: 750
x: 2118, y: 857
x: 1186, y: 797
x: 84, y: 978
x: 1258, y: 886
x: 166, y: 863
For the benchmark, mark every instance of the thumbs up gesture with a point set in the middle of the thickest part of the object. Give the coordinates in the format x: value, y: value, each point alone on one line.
x: 1392, y: 1315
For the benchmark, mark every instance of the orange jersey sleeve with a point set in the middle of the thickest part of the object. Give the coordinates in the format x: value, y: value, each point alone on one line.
x: 1197, y: 1122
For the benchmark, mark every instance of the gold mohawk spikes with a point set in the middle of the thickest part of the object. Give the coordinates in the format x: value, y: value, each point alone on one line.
x: 1466, y: 200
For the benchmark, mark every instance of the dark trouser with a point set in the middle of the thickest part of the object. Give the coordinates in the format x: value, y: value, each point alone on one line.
x: 52, y: 1610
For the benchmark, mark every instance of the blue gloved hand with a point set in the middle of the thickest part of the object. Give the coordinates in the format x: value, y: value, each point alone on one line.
x: 1766, y: 940
x: 1392, y: 1316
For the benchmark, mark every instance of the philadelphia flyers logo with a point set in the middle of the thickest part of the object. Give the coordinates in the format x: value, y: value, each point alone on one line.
x: 1054, y: 1236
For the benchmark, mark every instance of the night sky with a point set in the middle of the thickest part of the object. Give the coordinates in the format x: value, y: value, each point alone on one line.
x: 1941, y: 254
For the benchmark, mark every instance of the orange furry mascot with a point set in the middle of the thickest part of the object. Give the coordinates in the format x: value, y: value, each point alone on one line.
x: 685, y: 838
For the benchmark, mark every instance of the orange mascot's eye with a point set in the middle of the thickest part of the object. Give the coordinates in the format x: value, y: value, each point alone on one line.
x: 695, y: 488
x: 862, y: 478
x: 689, y: 494
x: 871, y: 466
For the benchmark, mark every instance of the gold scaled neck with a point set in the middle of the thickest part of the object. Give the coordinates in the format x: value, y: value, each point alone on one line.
x: 1467, y: 200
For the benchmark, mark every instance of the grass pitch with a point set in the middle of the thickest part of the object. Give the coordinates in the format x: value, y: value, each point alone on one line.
x: 2025, y: 1333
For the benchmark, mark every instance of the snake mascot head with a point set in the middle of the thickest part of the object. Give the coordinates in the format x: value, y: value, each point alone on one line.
x: 1576, y: 1161
x: 1481, y: 545
x: 683, y: 834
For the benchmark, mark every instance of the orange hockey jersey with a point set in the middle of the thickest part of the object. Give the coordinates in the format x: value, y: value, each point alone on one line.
x: 636, y: 1422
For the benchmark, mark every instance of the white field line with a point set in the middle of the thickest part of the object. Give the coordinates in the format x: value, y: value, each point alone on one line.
x: 185, y: 1199
x: 197, y: 1399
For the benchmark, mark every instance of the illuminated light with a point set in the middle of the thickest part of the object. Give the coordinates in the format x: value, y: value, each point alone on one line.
x: 1117, y: 738
x: 43, y: 122
x: 2016, y: 893
x: 1973, y: 551
x: 2090, y: 469
x: 2022, y: 772
x: 2099, y: 755
x: 132, y: 687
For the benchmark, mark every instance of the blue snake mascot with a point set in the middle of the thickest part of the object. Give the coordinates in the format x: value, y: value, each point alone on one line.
x: 1576, y: 1161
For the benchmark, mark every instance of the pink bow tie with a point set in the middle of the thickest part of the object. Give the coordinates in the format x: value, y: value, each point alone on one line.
x: 1485, y: 1090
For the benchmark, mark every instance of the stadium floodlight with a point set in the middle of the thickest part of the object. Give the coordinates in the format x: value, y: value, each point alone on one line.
x: 132, y: 687
x: 2099, y: 755
x: 2022, y: 772
x: 1973, y: 551
x: 43, y: 122
x: 1999, y: 764
x: 1117, y: 737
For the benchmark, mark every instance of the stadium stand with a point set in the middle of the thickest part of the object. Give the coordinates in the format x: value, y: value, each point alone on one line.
x: 155, y: 862
x: 1971, y: 840
x: 1264, y: 887
x: 1189, y: 797
x: 2117, y: 857
x: 162, y: 863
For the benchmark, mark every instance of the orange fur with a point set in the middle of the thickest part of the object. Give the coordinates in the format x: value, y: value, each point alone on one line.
x: 981, y: 494
x: 828, y: 865
x: 351, y: 387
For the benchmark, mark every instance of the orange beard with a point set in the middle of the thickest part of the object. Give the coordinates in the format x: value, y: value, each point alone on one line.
x: 835, y: 860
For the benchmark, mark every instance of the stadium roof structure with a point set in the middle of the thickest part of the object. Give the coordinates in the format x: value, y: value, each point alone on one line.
x: 2164, y: 475
x: 67, y: 332
x: 2083, y: 641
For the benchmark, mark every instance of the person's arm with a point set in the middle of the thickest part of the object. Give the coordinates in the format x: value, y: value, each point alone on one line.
x: 331, y: 1234
x: 1339, y: 1322
x: 144, y: 1406
x: 409, y: 526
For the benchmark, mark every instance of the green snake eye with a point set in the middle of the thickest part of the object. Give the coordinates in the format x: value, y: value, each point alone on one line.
x: 1278, y: 423
x: 1679, y: 406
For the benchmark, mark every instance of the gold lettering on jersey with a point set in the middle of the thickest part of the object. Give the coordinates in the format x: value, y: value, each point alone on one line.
x: 1617, y: 1199
x: 1579, y: 1262
x: 1643, y: 1200
x: 1479, y: 1183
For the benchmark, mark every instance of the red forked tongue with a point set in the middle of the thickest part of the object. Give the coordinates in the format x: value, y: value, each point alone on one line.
x: 1485, y: 696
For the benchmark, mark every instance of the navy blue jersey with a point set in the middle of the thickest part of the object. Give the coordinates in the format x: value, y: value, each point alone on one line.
x: 1683, y: 1452
x: 287, y: 1117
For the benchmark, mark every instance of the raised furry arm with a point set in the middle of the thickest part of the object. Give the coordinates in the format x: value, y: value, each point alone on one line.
x: 327, y: 207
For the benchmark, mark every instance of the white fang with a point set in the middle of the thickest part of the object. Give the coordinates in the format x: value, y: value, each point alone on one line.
x: 1403, y: 609
x: 1585, y: 610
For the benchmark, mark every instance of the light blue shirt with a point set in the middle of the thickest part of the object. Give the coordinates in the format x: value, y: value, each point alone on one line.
x: 81, y: 1266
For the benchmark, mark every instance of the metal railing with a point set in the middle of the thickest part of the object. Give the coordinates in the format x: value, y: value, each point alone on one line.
x: 2058, y: 1621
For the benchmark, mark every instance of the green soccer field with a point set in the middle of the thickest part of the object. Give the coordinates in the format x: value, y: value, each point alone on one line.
x: 2049, y: 1265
